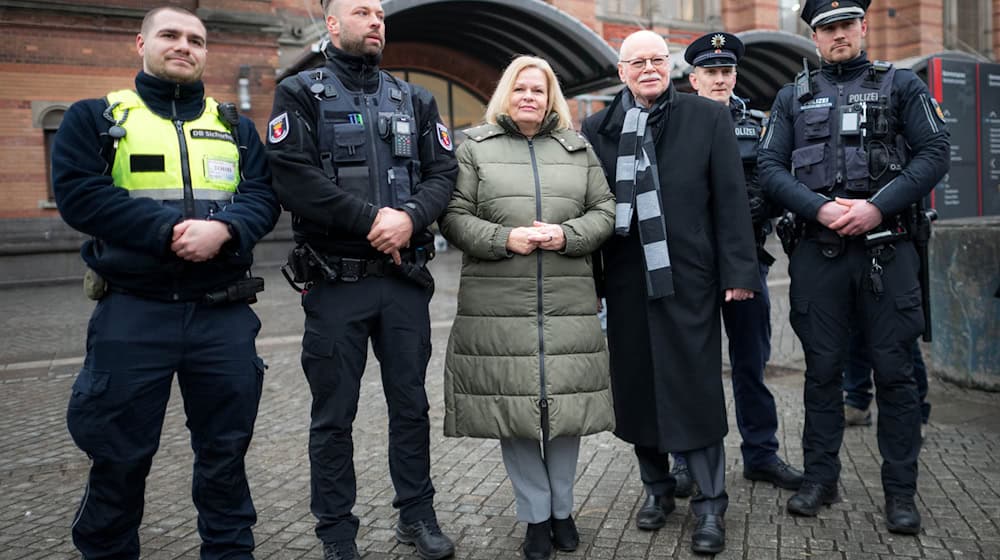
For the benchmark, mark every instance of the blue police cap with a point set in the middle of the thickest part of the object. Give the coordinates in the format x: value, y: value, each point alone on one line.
x: 715, y: 49
x: 823, y: 12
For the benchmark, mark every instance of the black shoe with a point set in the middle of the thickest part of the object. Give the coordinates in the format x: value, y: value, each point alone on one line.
x: 341, y: 550
x: 779, y: 473
x: 810, y: 497
x: 653, y: 513
x: 538, y: 541
x: 709, y: 535
x: 901, y: 515
x: 685, y: 484
x: 425, y: 534
x: 564, y: 534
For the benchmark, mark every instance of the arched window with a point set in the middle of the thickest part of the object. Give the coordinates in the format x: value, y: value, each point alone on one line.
x: 50, y: 121
x: 459, y: 107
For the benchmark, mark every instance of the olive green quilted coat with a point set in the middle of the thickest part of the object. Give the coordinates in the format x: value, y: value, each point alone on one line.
x: 526, y: 334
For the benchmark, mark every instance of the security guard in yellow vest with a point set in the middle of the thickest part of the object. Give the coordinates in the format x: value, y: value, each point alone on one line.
x: 175, y: 191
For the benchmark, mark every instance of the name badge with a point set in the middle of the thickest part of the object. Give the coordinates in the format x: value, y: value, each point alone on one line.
x: 220, y: 170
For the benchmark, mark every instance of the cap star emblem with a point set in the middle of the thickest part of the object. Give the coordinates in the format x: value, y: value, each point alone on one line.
x: 718, y: 41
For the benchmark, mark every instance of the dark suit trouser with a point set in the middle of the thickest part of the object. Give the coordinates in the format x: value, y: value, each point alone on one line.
x: 707, y: 467
x: 748, y: 326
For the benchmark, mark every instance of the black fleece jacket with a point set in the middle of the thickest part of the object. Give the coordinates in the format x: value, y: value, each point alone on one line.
x: 319, y: 204
x: 132, y: 235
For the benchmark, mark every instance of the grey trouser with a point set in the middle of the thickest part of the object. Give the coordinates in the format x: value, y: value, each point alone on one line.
x: 708, y: 470
x: 542, y: 489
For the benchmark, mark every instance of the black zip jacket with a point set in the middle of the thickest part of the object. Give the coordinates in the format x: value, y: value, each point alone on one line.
x: 132, y: 235
x: 925, y: 134
x: 311, y: 196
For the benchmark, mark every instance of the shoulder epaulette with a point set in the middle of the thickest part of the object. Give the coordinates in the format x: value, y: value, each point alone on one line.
x: 483, y: 132
x: 570, y: 139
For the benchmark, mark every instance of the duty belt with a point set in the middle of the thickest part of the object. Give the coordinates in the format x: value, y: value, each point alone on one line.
x: 352, y: 270
x: 306, y: 266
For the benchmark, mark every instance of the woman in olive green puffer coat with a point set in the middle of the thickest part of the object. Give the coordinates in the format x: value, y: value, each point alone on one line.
x: 526, y: 360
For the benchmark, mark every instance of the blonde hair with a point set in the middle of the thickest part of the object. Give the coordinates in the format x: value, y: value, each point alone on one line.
x: 556, y: 102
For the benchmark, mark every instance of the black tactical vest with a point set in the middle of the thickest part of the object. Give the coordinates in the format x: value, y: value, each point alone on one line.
x: 848, y: 140
x: 367, y: 142
x: 748, y: 125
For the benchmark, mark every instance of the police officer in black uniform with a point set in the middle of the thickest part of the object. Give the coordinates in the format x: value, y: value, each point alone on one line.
x: 850, y: 149
x: 364, y: 163
x: 713, y: 58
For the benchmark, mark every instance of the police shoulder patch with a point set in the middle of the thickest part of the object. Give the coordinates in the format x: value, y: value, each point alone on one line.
x: 277, y: 129
x: 937, y: 110
x: 444, y: 137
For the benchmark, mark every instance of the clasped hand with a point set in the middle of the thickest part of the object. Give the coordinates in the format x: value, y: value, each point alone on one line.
x: 390, y: 232
x: 849, y: 216
x: 524, y: 240
x: 199, y: 240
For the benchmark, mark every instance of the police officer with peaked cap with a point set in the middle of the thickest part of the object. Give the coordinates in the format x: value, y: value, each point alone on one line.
x: 850, y: 149
x: 174, y: 190
x: 713, y: 58
x: 365, y: 165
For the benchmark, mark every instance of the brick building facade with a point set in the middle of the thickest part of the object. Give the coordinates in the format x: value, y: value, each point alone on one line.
x: 56, y: 52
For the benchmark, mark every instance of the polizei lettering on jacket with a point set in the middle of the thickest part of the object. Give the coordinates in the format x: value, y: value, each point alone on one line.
x: 817, y: 103
x: 746, y: 132
x: 860, y: 97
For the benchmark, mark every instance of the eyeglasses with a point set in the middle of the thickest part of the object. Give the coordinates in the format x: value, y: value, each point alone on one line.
x: 658, y: 61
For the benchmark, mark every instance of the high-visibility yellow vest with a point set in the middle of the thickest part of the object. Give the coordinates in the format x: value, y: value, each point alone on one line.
x: 158, y: 158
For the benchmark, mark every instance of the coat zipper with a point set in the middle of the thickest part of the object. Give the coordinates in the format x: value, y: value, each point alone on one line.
x: 185, y: 165
x: 543, y: 402
x: 837, y: 148
x: 374, y: 180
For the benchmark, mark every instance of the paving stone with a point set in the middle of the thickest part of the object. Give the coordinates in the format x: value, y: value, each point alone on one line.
x: 42, y: 474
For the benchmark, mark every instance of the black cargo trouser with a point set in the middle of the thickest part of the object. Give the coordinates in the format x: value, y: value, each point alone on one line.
x: 340, y: 318
x: 830, y: 297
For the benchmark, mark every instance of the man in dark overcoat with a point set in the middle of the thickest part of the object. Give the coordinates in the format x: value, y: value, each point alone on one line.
x: 683, y: 243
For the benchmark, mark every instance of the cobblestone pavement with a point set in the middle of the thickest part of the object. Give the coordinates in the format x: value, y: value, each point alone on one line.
x: 42, y: 474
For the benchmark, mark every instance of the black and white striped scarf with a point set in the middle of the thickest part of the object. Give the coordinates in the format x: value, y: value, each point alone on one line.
x: 637, y: 185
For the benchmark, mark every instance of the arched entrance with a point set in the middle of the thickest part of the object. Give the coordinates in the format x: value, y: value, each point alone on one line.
x: 471, y: 41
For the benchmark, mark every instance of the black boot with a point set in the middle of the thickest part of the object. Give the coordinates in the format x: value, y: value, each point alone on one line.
x: 340, y: 550
x: 778, y: 473
x: 810, y: 497
x: 901, y: 515
x: 564, y: 534
x: 538, y: 541
x: 709, y: 535
x: 653, y: 513
x: 426, y: 536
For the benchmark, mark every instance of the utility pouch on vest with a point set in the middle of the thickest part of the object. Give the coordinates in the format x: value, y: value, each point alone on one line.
x: 856, y: 172
x: 94, y: 286
x: 811, y: 165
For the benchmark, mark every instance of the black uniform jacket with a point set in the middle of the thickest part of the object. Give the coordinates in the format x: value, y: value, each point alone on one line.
x: 132, y: 235
x: 925, y: 134
x: 310, y: 195
x: 666, y: 360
